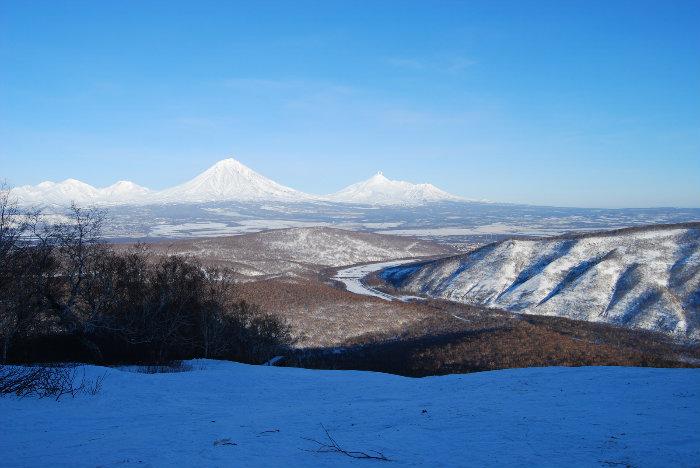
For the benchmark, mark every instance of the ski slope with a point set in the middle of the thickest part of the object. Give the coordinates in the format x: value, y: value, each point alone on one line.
x: 229, y: 414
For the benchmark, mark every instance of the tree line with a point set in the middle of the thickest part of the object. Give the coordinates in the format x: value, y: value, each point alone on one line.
x: 66, y: 295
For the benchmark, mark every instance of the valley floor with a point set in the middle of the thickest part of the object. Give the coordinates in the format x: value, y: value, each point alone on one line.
x: 229, y: 414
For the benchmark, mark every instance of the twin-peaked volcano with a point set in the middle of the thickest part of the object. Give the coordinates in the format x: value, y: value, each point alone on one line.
x: 378, y: 190
x: 229, y: 180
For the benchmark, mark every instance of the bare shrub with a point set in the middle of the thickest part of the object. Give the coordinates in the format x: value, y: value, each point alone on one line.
x: 46, y: 381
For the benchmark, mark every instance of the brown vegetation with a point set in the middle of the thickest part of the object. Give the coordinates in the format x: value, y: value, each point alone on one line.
x: 499, y: 342
x: 66, y: 296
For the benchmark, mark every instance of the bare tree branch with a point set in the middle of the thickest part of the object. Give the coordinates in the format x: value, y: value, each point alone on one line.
x: 332, y: 446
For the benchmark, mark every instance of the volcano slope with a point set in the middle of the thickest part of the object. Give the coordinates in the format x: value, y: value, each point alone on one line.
x: 643, y: 278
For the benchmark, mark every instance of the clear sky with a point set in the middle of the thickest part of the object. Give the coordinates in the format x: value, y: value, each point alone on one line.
x: 577, y: 103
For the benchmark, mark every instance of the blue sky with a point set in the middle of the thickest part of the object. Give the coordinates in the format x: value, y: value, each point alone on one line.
x: 563, y: 102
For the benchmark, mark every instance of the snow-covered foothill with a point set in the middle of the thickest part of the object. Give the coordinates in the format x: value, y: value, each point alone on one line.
x: 647, y: 278
x: 228, y: 414
x: 304, y: 249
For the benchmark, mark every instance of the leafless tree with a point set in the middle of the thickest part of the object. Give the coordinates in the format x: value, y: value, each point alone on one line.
x: 14, y: 269
x: 77, y: 247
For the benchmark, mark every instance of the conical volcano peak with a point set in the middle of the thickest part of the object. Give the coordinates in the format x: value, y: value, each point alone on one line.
x: 379, y: 177
x: 229, y: 179
x: 230, y: 165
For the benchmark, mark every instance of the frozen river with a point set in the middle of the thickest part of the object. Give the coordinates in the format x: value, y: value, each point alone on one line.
x: 351, y: 277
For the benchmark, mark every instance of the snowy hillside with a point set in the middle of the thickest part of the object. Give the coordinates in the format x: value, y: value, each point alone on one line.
x: 229, y: 180
x: 300, y: 250
x: 646, y: 278
x: 378, y: 190
x: 228, y: 414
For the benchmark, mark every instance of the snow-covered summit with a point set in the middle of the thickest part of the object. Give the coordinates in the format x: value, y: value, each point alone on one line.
x: 229, y: 179
x: 379, y: 190
x: 124, y: 190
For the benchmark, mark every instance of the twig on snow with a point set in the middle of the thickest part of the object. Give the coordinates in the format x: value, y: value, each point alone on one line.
x: 332, y: 446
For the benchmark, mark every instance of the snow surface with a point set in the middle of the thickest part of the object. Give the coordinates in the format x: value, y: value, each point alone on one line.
x: 378, y: 190
x: 641, y: 278
x: 229, y: 414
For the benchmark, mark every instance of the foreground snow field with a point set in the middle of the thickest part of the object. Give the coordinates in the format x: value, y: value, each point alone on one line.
x: 228, y: 414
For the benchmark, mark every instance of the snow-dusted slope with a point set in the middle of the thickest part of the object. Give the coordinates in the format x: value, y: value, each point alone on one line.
x: 228, y: 414
x: 298, y: 251
x: 646, y: 278
x: 230, y: 180
x: 378, y: 190
x: 71, y: 190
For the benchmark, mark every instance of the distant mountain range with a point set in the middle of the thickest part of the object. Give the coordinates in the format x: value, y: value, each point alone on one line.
x: 646, y: 278
x: 229, y: 180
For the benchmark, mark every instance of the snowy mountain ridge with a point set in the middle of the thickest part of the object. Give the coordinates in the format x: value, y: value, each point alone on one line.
x: 646, y: 278
x: 229, y: 180
x: 72, y: 190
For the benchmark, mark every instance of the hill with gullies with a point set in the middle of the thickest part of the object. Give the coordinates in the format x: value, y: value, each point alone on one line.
x: 643, y: 278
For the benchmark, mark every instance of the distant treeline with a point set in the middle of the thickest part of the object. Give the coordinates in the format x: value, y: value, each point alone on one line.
x: 67, y: 296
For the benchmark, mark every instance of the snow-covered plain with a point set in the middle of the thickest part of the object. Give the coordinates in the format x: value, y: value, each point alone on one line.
x: 228, y: 414
x: 646, y: 278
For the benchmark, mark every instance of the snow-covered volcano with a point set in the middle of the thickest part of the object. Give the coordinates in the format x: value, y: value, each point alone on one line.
x: 230, y: 180
x: 379, y: 190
